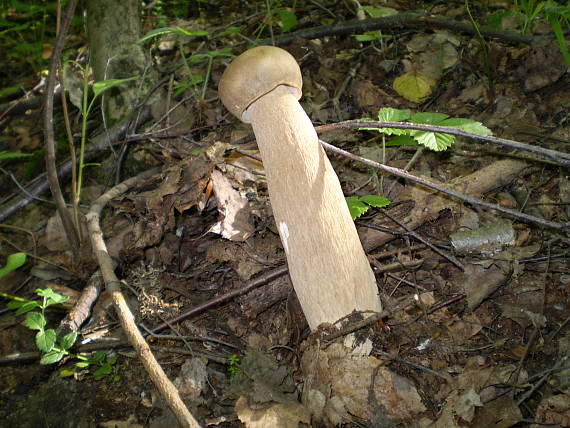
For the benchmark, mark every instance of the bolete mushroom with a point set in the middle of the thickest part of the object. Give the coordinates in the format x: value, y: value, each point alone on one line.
x: 327, y: 264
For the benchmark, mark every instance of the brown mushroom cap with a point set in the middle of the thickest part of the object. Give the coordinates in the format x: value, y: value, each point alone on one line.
x: 255, y: 73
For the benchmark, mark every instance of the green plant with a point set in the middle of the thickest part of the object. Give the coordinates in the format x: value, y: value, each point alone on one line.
x: 233, y: 365
x: 376, y: 35
x: 12, y: 155
x: 358, y: 205
x: 435, y: 141
x: 528, y: 12
x: 104, y: 364
x: 46, y: 339
x: 98, y: 89
x: 13, y: 262
x: 53, y: 349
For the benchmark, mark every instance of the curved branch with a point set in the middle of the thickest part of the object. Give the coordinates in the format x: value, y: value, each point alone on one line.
x: 71, y: 231
x: 167, y: 390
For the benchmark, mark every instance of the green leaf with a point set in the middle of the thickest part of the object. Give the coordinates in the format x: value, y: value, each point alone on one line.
x: 434, y: 140
x: 48, y: 293
x: 401, y: 140
x: 52, y: 357
x: 104, y: 85
x: 102, y: 371
x: 98, y: 357
x: 172, y: 30
x: 35, y: 321
x: 428, y: 118
x: 27, y: 307
x: 15, y: 304
x: 82, y: 364
x: 356, y: 207
x: 68, y: 340
x: 388, y: 114
x: 45, y: 340
x: 66, y: 372
x: 13, y: 262
x: 286, y: 18
x: 12, y: 155
x: 112, y: 360
x: 375, y: 201
x: 467, y: 125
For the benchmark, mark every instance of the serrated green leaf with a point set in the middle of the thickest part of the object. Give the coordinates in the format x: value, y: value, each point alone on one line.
x: 388, y: 114
x: 35, y: 321
x: 467, y: 125
x: 356, y: 207
x: 45, y: 340
x: 434, y: 141
x: 52, y: 357
x: 13, y: 262
x: 68, y: 340
x: 428, y: 118
x: 112, y: 360
x: 27, y: 307
x: 51, y: 296
x: 375, y: 201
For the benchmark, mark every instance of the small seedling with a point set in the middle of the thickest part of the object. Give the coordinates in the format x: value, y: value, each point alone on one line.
x: 52, y: 349
x: 233, y: 365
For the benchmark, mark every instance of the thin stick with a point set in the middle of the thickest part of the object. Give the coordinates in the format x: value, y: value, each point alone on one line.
x: 167, y: 389
x: 400, y: 173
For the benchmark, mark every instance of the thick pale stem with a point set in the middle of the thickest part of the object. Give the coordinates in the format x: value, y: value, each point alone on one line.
x: 328, y: 267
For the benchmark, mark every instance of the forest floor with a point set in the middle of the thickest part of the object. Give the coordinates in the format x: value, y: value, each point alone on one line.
x: 481, y: 336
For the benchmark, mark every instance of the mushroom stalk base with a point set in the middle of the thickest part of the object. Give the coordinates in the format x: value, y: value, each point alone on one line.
x: 328, y: 267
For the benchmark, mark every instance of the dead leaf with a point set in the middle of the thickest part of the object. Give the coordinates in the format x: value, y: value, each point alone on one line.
x: 554, y: 410
x: 237, y: 223
x: 276, y: 415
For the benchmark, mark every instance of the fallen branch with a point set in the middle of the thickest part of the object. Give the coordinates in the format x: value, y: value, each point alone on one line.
x: 167, y: 390
x: 406, y: 20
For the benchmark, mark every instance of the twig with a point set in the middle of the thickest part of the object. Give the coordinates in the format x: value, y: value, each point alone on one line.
x: 71, y: 231
x: 167, y: 389
x: 425, y: 241
x: 399, y: 173
x: 257, y: 282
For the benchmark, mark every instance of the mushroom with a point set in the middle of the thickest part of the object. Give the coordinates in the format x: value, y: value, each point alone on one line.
x: 327, y: 264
